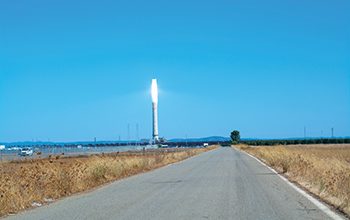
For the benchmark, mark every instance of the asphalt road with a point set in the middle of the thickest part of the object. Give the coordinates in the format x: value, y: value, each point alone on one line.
x: 221, y: 184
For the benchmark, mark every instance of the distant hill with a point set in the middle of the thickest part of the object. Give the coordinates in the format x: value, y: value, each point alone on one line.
x: 205, y: 139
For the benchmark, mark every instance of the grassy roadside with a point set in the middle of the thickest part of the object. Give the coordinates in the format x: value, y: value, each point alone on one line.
x: 324, y: 170
x: 24, y: 184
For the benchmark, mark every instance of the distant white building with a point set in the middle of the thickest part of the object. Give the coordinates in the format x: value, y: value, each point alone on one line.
x: 2, y: 147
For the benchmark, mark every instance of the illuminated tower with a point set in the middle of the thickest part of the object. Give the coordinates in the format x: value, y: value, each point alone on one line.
x: 154, y: 93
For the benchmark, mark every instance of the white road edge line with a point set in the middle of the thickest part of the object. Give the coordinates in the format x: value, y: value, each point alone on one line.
x: 317, y: 203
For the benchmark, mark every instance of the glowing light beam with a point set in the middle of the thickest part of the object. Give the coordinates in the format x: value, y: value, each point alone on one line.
x: 154, y: 91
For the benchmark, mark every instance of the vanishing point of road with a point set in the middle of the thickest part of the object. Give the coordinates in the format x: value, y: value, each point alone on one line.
x: 220, y: 184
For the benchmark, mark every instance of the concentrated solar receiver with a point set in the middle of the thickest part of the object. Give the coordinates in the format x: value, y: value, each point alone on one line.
x: 154, y: 93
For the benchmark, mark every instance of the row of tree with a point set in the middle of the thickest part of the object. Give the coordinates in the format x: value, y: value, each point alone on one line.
x: 236, y: 139
x: 297, y: 141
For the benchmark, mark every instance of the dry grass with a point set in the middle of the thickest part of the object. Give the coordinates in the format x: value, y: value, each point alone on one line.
x: 23, y: 183
x: 322, y: 169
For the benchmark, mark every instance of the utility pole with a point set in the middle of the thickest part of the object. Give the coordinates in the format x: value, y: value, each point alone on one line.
x: 304, y: 132
x: 128, y: 133
x: 332, y: 132
x: 137, y: 134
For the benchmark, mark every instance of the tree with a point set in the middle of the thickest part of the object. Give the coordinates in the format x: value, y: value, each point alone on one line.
x: 235, y: 136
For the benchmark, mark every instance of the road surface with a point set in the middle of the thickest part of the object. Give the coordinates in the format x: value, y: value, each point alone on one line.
x: 220, y: 184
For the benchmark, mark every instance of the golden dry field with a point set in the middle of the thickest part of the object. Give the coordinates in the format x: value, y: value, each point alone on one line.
x: 324, y: 170
x: 25, y: 184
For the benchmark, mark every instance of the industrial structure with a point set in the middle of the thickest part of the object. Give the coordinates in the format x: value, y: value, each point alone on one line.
x: 154, y: 93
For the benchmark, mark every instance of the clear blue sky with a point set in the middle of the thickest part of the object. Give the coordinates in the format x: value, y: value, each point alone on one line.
x: 74, y: 70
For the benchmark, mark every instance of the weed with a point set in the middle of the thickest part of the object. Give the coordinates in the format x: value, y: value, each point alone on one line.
x: 322, y: 169
x: 24, y: 182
